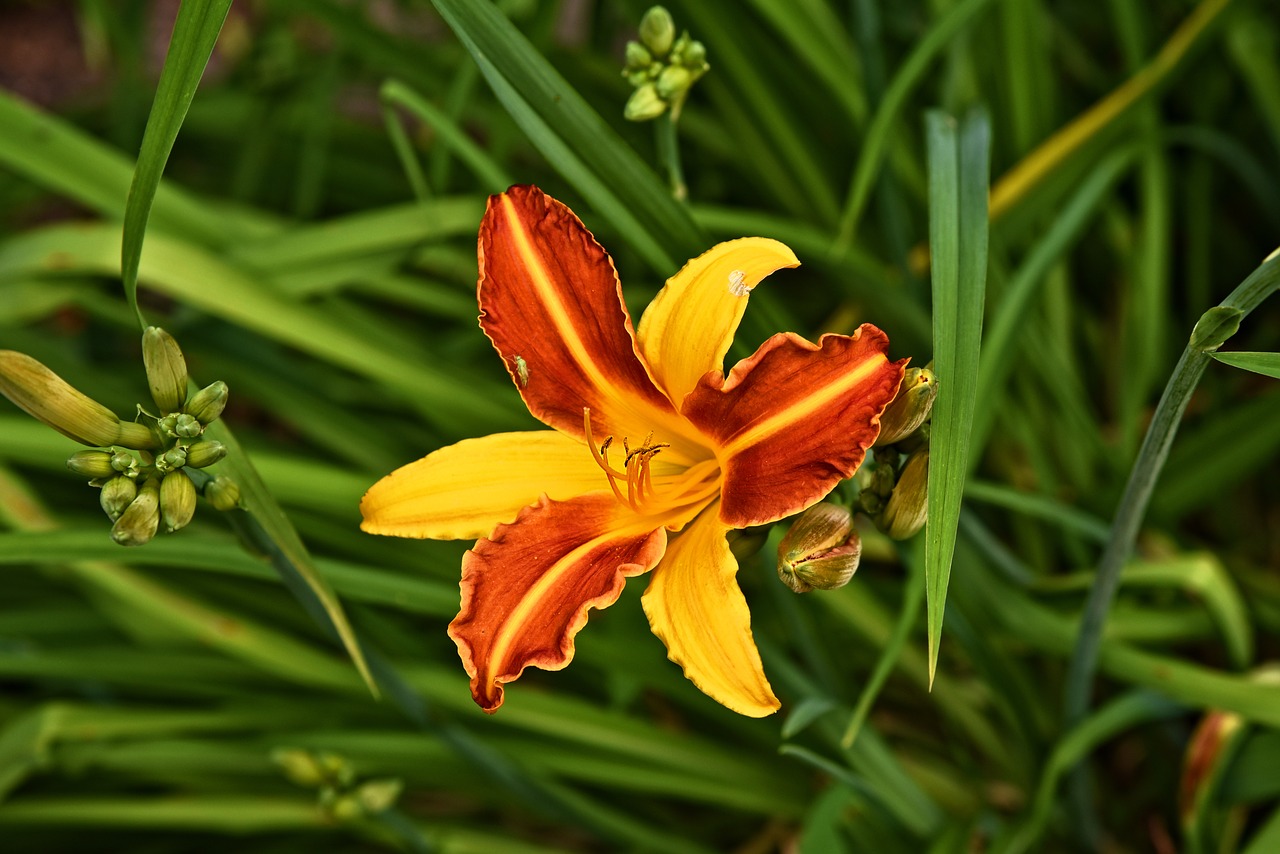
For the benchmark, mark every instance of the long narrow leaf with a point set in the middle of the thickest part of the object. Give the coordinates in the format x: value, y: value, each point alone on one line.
x: 958, y: 174
x: 1267, y: 364
x: 195, y: 32
x: 574, y: 138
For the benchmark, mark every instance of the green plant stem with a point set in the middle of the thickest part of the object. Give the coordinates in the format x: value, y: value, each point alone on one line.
x: 669, y: 153
x: 1137, y: 494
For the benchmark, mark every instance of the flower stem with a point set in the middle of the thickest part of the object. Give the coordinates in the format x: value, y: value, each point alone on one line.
x: 1264, y: 281
x: 669, y: 153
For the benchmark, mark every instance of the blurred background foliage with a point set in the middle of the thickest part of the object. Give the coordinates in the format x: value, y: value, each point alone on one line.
x: 312, y: 244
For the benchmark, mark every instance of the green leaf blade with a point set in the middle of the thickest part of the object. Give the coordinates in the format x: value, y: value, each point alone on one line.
x: 958, y: 182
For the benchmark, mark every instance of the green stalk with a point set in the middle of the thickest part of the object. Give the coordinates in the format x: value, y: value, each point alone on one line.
x: 669, y: 152
x: 1137, y: 494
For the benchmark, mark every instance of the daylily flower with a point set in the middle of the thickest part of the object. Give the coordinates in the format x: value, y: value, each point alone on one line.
x: 653, y: 456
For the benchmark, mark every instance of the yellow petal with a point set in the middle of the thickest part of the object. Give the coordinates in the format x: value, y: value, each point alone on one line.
x: 689, y: 326
x: 695, y: 607
x: 465, y: 490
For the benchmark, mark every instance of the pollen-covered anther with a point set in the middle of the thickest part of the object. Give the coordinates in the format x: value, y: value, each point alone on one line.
x: 635, y: 465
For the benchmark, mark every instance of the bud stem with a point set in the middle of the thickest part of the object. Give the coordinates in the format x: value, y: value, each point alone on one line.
x: 669, y: 150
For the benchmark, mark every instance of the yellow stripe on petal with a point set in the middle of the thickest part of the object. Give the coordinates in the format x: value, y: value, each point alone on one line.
x: 550, y: 302
x: 695, y: 607
x: 793, y: 420
x: 690, y: 324
x: 465, y: 490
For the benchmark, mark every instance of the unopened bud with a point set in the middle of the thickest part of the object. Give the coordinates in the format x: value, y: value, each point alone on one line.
x: 91, y: 463
x: 187, y: 427
x: 168, y: 425
x: 673, y: 82
x: 207, y: 404
x: 49, y: 398
x: 821, y: 550
x: 638, y: 56
x: 744, y: 543
x: 140, y: 520
x: 223, y: 493
x: 345, y: 807
x: 177, y: 500
x: 657, y: 31
x: 117, y: 494
x: 694, y: 57
x: 908, y: 507
x: 377, y: 796
x: 205, y: 453
x: 166, y: 369
x: 336, y: 769
x: 301, y: 767
x: 124, y: 462
x: 174, y: 458
x: 910, y: 408
x: 644, y: 104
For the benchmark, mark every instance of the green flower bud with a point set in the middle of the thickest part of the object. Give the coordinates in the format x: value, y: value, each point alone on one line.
x: 300, y: 766
x: 744, y: 543
x: 694, y: 57
x: 174, y: 458
x: 377, y: 796
x: 124, y: 462
x: 673, y: 82
x: 657, y: 31
x: 638, y: 56
x: 644, y: 104
x: 223, y: 493
x: 166, y: 369
x: 336, y: 769
x: 168, y: 425
x: 908, y: 507
x: 1214, y: 327
x: 49, y: 398
x: 207, y: 404
x: 91, y: 463
x: 910, y: 409
x: 344, y: 807
x: 140, y: 520
x: 117, y: 494
x: 205, y: 453
x: 187, y: 427
x: 177, y: 500
x: 821, y: 550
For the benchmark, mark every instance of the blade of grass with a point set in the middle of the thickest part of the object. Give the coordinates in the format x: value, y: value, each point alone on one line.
x: 491, y: 174
x: 574, y: 138
x: 195, y: 32
x: 1010, y: 315
x: 895, y: 97
x: 958, y: 171
x: 1107, y: 114
x: 1267, y: 364
x: 913, y: 596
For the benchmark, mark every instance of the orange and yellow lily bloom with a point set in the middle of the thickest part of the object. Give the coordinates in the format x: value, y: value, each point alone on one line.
x: 653, y: 457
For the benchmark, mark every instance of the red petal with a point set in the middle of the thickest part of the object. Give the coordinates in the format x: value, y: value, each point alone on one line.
x: 527, y: 588
x: 794, y: 419
x: 551, y: 304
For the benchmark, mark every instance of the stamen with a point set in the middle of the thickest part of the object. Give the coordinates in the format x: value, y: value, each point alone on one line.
x: 636, y: 464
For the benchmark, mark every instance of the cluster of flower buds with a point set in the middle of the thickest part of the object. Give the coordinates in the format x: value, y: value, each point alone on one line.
x: 822, y: 548
x: 661, y: 67
x: 335, y: 778
x: 148, y: 473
